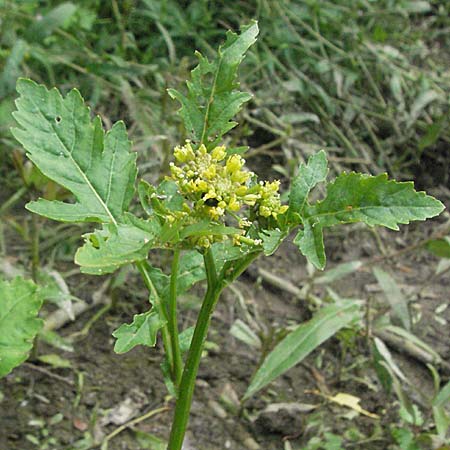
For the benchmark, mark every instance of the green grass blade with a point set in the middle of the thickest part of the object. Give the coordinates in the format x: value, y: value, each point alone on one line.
x: 302, y: 341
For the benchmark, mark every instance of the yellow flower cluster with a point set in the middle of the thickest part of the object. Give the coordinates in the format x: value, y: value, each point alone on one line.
x: 214, y: 183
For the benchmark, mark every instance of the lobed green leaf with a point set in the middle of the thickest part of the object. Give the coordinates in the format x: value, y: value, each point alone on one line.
x: 310, y: 243
x: 271, y: 240
x: 142, y: 331
x: 108, y: 249
x: 355, y: 197
x: 374, y: 200
x: 309, y: 175
x: 74, y: 151
x: 209, y: 106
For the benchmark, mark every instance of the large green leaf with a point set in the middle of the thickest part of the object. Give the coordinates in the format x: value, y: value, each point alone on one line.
x: 74, y: 151
x: 355, y: 197
x: 374, y: 200
x: 209, y: 106
x: 142, y: 331
x: 309, y: 175
x: 19, y: 306
x: 302, y: 341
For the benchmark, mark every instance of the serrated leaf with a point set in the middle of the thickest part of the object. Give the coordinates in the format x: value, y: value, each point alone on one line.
x: 309, y: 175
x: 208, y: 107
x: 310, y: 243
x: 142, y: 331
x: 355, y: 197
x: 20, y: 302
x: 108, y: 249
x: 302, y: 341
x: 374, y: 200
x: 73, y: 150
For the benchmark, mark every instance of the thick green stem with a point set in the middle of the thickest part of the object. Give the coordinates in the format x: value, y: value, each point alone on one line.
x: 161, y: 311
x: 186, y: 391
x: 216, y: 283
x: 172, y: 321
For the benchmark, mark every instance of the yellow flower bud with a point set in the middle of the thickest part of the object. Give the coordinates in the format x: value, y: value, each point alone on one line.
x: 204, y: 241
x: 176, y: 171
x: 184, y: 154
x: 233, y: 204
x: 219, y: 153
x: 250, y: 199
x: 240, y: 176
x: 265, y: 211
x: 234, y: 163
x: 242, y: 190
x: 202, y: 185
x: 210, y: 172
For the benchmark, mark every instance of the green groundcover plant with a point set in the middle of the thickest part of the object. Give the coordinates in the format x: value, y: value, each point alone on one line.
x: 214, y: 216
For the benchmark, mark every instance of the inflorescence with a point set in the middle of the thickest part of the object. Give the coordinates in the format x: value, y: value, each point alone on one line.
x: 215, y: 184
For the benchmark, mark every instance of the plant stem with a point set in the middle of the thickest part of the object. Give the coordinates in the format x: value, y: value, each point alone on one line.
x: 141, y: 265
x: 172, y: 320
x: 186, y: 390
x: 35, y: 229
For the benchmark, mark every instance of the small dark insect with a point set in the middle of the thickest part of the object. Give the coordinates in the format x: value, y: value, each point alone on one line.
x: 211, y: 202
